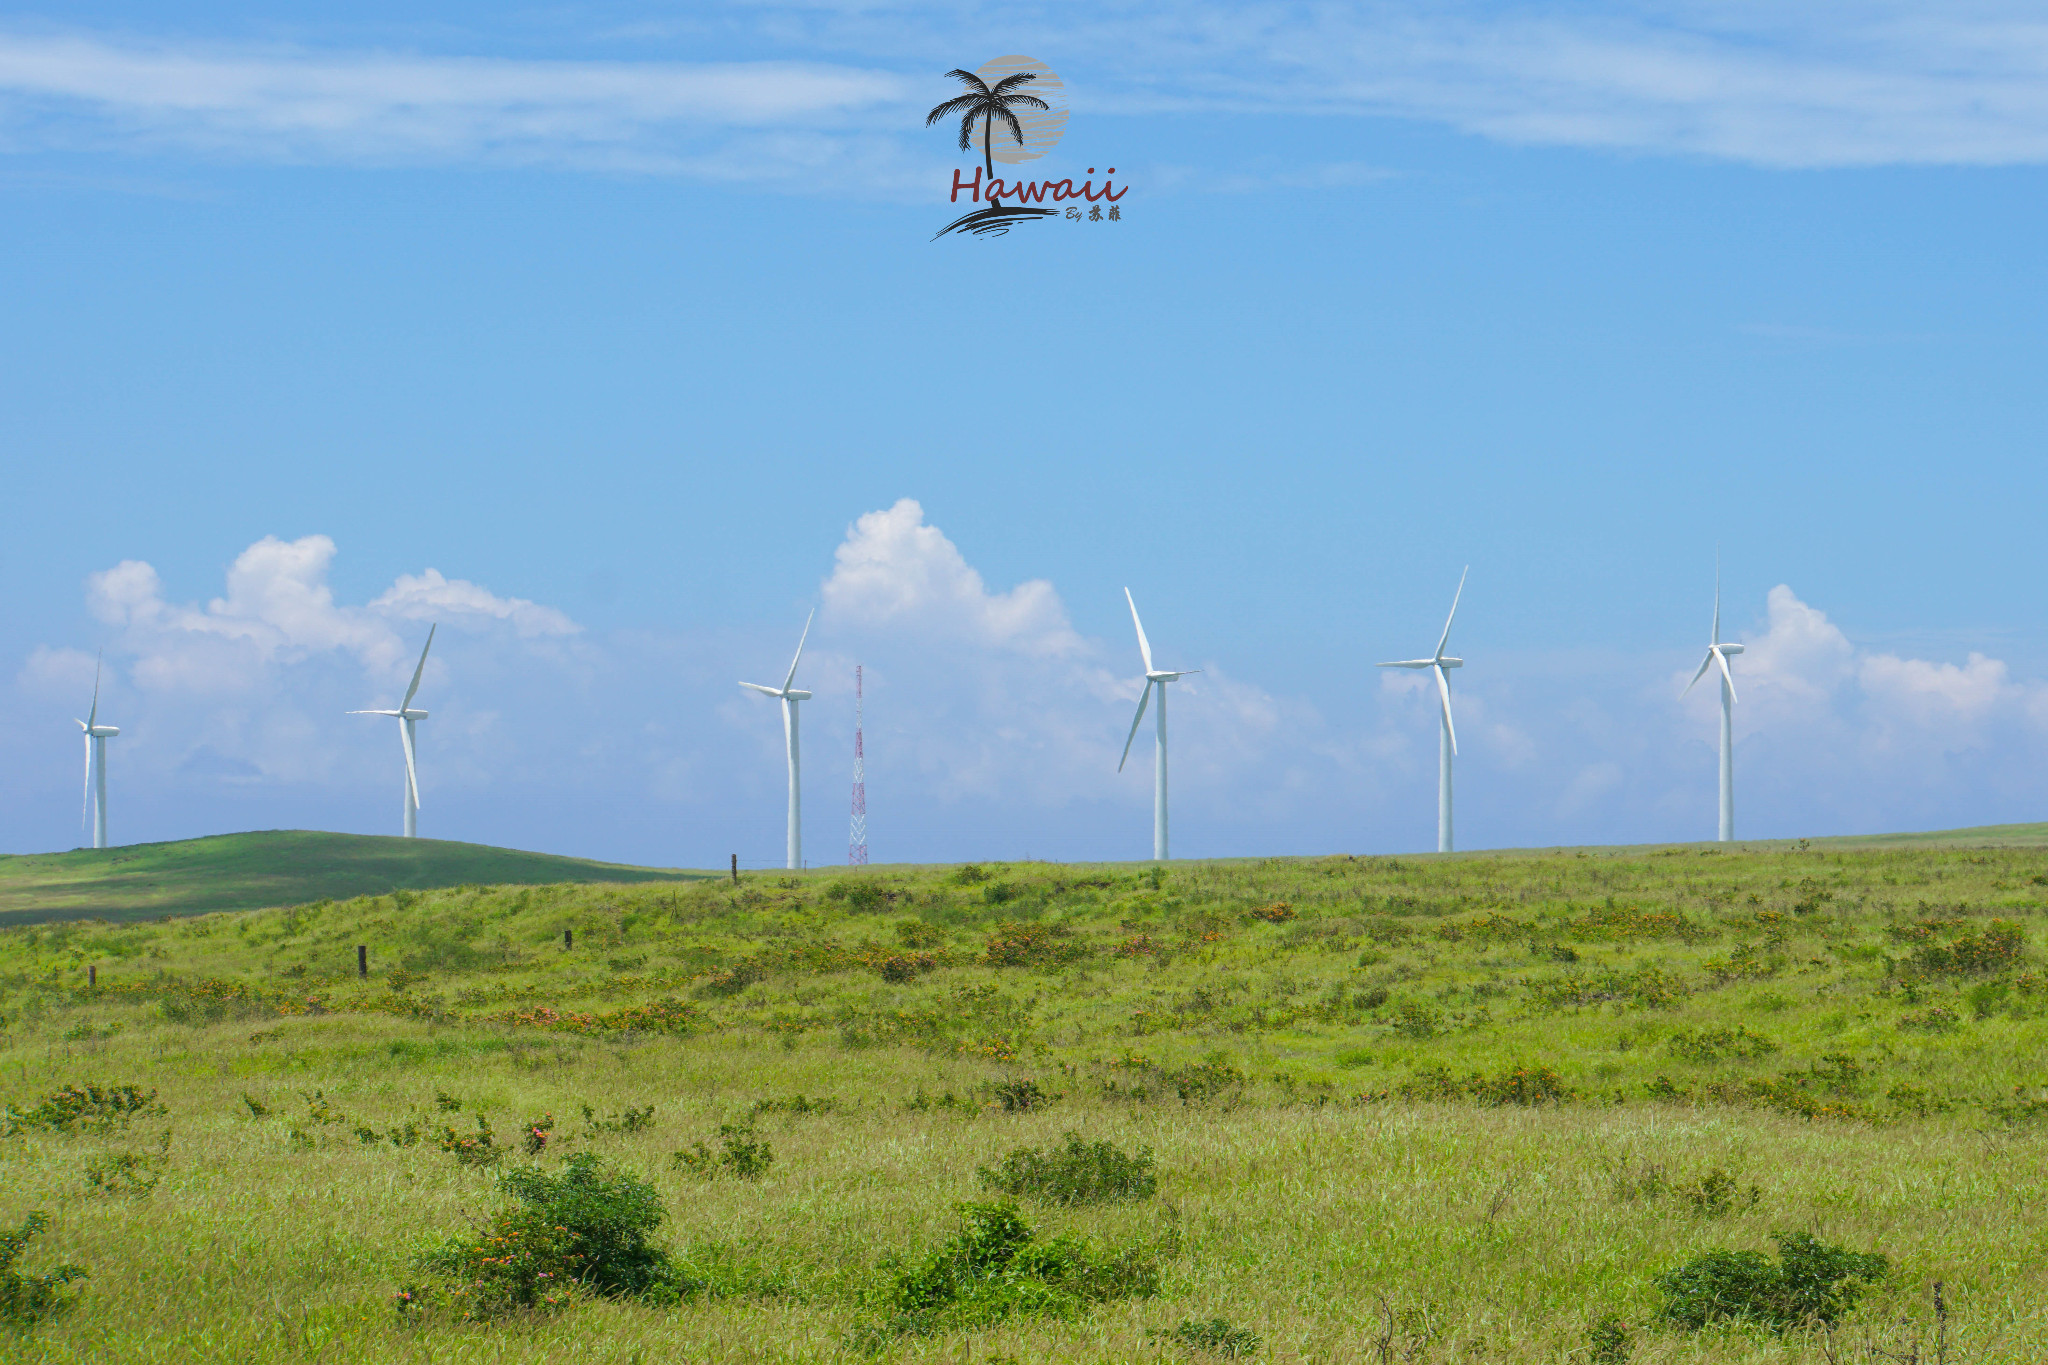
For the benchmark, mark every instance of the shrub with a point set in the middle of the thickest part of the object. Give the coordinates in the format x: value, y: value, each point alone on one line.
x: 1718, y: 1192
x: 1215, y: 1336
x: 1079, y: 1173
x: 25, y: 1299
x: 1516, y: 1085
x: 993, y: 1269
x: 1032, y: 945
x: 1411, y: 1019
x: 1610, y: 1341
x: 967, y: 874
x: 78, y: 1107
x: 583, y: 1231
x: 1205, y: 1080
x: 1020, y: 1094
x: 632, y: 1121
x: 796, y: 1104
x: 1973, y: 953
x: 857, y: 895
x: 917, y: 934
x: 134, y: 1173
x: 1279, y: 912
x: 1933, y: 1019
x: 1811, y: 1283
x: 471, y: 1149
x: 1713, y: 1044
x: 740, y: 1152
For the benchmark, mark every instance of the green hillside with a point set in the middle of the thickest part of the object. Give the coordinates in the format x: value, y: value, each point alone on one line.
x: 1436, y: 1110
x: 270, y: 867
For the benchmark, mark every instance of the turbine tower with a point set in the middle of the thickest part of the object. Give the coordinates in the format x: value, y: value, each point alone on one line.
x: 407, y: 717
x: 1717, y: 653
x: 1447, y: 741
x: 857, y: 838
x: 790, y: 697
x: 1159, y: 678
x: 96, y: 737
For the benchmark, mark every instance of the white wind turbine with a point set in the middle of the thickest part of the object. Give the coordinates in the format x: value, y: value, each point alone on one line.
x: 790, y: 697
x: 406, y: 718
x: 96, y: 737
x: 1717, y: 653
x: 1447, y: 741
x: 1159, y: 678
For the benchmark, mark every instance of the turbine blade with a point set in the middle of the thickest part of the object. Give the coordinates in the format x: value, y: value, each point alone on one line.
x: 94, y: 714
x: 421, y: 668
x: 376, y: 713
x: 1144, y: 645
x: 767, y: 691
x: 1715, y: 638
x: 799, y: 650
x: 1446, y: 636
x: 1722, y: 659
x: 1143, y: 697
x: 1443, y: 689
x: 1408, y: 663
x: 1705, y: 664
x: 412, y: 776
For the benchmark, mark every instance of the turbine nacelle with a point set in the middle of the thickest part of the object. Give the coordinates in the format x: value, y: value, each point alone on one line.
x: 99, y: 731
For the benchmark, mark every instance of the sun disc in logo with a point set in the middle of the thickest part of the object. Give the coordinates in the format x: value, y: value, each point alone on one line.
x: 1042, y: 127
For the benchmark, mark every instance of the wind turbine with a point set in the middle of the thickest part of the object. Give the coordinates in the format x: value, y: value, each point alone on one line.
x: 96, y: 737
x: 1447, y: 742
x: 1717, y: 653
x: 1159, y: 678
x: 406, y: 718
x: 790, y: 697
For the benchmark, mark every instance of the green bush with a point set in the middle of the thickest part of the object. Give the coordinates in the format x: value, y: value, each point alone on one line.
x: 26, y: 1300
x: 740, y: 1152
x: 1079, y: 1173
x: 78, y: 1107
x: 1812, y: 1282
x: 994, y: 1269
x: 584, y: 1231
x: 1610, y: 1341
x: 1216, y: 1337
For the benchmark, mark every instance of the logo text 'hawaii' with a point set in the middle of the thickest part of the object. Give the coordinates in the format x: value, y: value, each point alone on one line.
x: 1012, y: 124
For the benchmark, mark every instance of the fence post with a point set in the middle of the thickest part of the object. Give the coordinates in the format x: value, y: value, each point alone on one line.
x: 362, y: 959
x: 735, y: 869
x: 568, y: 939
x: 92, y: 978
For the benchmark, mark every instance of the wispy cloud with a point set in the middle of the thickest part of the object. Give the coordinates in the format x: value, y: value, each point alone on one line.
x: 1841, y: 84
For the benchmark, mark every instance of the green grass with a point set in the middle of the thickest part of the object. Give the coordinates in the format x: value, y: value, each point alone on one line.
x: 269, y: 867
x: 1466, y: 1107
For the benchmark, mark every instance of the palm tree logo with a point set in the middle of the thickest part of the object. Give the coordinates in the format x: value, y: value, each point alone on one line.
x: 988, y: 103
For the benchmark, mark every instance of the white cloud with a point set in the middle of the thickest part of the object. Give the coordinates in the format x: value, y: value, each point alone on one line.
x: 1874, y: 83
x: 278, y: 610
x: 294, y: 105
x: 430, y: 596
x: 894, y: 570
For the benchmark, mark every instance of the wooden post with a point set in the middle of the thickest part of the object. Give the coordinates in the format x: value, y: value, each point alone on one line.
x: 735, y: 869
x: 568, y: 939
x: 362, y: 959
x: 92, y: 977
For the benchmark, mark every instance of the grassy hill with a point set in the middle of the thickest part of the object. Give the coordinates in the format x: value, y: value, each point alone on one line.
x: 1401, y: 1109
x: 269, y: 867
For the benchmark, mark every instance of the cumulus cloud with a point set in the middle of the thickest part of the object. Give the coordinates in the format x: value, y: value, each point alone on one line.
x: 893, y: 570
x: 279, y: 610
x: 431, y: 597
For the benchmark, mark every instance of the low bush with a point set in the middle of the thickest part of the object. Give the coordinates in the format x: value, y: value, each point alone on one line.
x: 81, y: 1108
x: 1710, y: 1045
x: 740, y: 1152
x: 1609, y: 1341
x: 995, y: 1269
x: 584, y: 1231
x: 1079, y: 1173
x: 1020, y: 1094
x: 25, y: 1299
x: 1216, y: 1337
x: 1811, y: 1284
x: 1972, y: 952
x: 1522, y: 1085
x: 129, y: 1173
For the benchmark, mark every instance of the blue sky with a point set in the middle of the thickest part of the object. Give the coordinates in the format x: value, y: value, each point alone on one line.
x: 612, y: 337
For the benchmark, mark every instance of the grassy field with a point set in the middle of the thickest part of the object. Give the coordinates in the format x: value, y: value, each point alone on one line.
x: 1402, y: 1109
x: 269, y: 867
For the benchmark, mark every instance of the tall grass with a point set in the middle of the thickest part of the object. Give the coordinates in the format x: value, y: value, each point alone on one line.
x: 1498, y: 1214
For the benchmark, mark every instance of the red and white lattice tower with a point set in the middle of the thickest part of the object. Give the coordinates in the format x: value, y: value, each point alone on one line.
x: 857, y: 842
